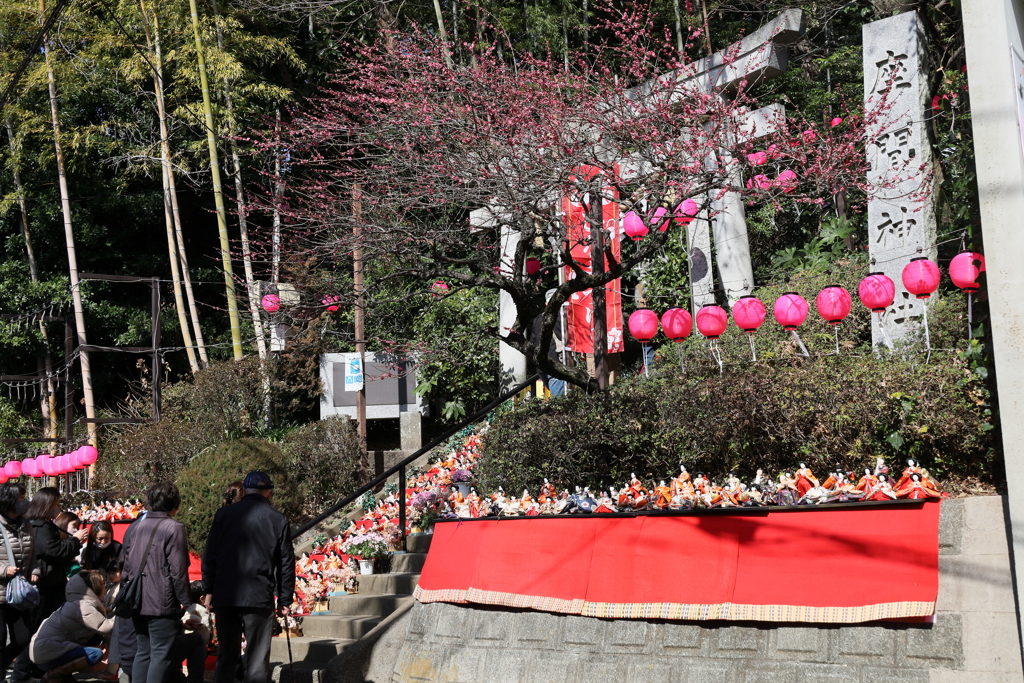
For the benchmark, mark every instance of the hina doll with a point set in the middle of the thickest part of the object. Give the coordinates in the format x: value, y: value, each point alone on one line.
x: 547, y: 491
x: 526, y: 501
x: 680, y: 481
x: 474, y: 502
x: 787, y: 492
x: 533, y: 510
x: 662, y: 496
x: 844, y: 491
x: 868, y: 482
x: 917, y: 487
x: 700, y: 484
x: 605, y: 504
x: 754, y: 497
x: 805, y: 479
x: 883, y: 490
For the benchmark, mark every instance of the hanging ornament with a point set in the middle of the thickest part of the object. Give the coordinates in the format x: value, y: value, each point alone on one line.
x: 12, y: 469
x: 790, y: 311
x: 686, y: 212
x: 643, y: 325
x: 677, y: 324
x: 877, y: 291
x: 712, y: 321
x: 921, y: 277
x: 659, y: 219
x: 749, y: 313
x: 634, y: 226
x: 332, y: 303
x: 833, y: 304
x: 964, y: 274
x: 758, y: 158
x: 271, y: 303
x: 87, y: 454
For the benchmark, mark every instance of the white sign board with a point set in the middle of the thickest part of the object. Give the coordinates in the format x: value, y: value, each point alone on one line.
x: 353, y: 374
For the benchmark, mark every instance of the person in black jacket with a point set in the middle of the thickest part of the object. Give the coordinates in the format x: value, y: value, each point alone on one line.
x: 248, y: 560
x: 55, y: 553
x: 102, y: 551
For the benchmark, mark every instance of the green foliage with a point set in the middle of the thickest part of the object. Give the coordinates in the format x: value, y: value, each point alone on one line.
x: 13, y: 425
x: 203, y: 481
x: 323, y: 461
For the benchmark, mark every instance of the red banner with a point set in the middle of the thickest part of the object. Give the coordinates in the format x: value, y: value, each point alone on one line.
x: 580, y: 311
x: 822, y: 565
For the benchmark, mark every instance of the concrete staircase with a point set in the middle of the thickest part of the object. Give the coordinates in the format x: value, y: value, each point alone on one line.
x: 351, y: 618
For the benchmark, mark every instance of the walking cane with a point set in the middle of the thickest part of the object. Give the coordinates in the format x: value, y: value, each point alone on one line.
x: 288, y: 638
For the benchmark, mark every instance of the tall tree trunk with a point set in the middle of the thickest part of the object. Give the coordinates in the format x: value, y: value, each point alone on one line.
x: 679, y: 28
x: 218, y: 194
x: 69, y: 238
x: 456, y: 52
x: 275, y: 255
x: 444, y: 34
x: 48, y: 402
x: 165, y: 168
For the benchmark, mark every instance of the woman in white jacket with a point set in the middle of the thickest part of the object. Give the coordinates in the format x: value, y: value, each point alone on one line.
x: 70, y: 639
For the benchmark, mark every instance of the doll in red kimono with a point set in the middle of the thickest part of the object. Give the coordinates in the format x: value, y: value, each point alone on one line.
x: 917, y: 487
x: 805, y: 479
x: 883, y: 490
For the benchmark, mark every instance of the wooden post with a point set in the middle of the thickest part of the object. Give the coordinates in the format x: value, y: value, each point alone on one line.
x: 402, y: 502
x: 360, y: 328
x: 596, y: 211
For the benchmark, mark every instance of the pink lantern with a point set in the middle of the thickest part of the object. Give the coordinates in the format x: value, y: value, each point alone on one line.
x: 686, y: 212
x: 758, y: 158
x: 834, y: 304
x: 877, y: 292
x: 439, y: 287
x: 774, y: 152
x: 712, y: 321
x: 643, y: 325
x: 790, y: 310
x: 809, y: 136
x: 658, y: 219
x: 87, y: 454
x: 964, y: 273
x: 633, y: 226
x: 677, y: 324
x: 787, y: 181
x: 921, y: 277
x: 271, y: 303
x: 29, y: 467
x: 532, y: 265
x: 748, y: 313
x: 12, y: 469
x: 3, y: 477
x: 835, y: 122
x: 65, y: 463
x: 760, y: 181
x: 331, y: 303
x: 43, y: 464
x: 75, y: 464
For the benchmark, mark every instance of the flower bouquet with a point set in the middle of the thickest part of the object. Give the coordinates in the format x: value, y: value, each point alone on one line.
x: 461, y: 479
x: 368, y: 546
x: 423, y: 510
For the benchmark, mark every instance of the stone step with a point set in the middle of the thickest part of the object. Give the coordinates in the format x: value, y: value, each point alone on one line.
x: 418, y: 543
x: 405, y: 563
x: 307, y: 649
x: 350, y: 627
x: 388, y: 584
x: 372, y: 605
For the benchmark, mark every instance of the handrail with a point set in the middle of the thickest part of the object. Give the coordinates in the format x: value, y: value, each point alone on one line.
x: 400, y: 467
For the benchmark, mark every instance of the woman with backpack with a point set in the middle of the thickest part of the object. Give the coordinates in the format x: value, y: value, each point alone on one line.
x: 73, y: 637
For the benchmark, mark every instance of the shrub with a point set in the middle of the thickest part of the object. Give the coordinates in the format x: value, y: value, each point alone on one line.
x: 323, y: 458
x: 203, y: 481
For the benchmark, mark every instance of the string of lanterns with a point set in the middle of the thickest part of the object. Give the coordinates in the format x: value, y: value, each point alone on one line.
x: 877, y: 292
x: 47, y: 466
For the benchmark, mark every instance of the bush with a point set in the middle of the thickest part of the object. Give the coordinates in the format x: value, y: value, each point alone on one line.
x: 844, y: 409
x: 323, y: 460
x: 203, y: 481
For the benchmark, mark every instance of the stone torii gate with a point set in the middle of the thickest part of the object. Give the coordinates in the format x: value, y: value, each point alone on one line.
x: 761, y: 55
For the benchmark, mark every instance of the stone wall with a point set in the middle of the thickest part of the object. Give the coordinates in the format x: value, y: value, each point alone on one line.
x: 974, y: 637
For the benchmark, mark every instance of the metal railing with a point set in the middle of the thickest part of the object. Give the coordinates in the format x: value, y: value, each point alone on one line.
x: 401, y: 466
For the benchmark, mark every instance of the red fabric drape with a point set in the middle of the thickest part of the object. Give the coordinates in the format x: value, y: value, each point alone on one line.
x: 823, y: 565
x: 195, y: 569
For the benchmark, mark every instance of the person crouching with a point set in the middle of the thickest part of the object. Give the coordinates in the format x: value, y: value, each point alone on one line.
x: 71, y: 638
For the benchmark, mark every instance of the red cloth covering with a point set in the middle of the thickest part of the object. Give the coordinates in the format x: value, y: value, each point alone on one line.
x: 195, y: 568
x: 821, y: 565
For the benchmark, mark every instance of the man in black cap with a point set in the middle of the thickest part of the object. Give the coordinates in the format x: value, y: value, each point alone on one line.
x: 248, y: 561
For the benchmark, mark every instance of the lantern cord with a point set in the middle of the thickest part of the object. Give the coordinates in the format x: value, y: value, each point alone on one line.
x: 753, y: 351
x: 716, y: 355
x: 885, y: 333
x: 835, y: 330
x: 647, y: 371
x: 927, y: 335
x: 970, y: 319
x: 679, y: 351
x: 800, y: 341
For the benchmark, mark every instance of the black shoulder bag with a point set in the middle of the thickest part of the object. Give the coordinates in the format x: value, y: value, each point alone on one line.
x: 128, y: 602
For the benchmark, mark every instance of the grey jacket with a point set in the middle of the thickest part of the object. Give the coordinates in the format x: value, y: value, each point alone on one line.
x: 165, y: 580
x: 22, y: 549
x: 72, y: 625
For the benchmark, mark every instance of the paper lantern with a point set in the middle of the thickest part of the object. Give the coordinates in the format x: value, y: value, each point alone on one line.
x: 633, y: 226
x: 748, y: 313
x: 686, y: 212
x: 29, y: 467
x: 758, y: 158
x: 271, y: 303
x: 787, y: 181
x: 65, y: 463
x: 835, y: 122
x: 331, y: 303
x: 834, y: 304
x: 921, y: 277
x: 760, y: 181
x: 75, y: 464
x: 3, y: 477
x: 677, y: 324
x: 43, y: 464
x: 790, y: 310
x: 964, y: 273
x: 877, y: 292
x: 87, y: 454
x: 439, y: 287
x: 643, y: 325
x: 532, y: 265
x: 658, y: 219
x: 12, y: 469
x: 712, y: 321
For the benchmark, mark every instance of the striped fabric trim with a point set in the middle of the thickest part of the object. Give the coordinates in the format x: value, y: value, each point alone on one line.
x: 682, y: 612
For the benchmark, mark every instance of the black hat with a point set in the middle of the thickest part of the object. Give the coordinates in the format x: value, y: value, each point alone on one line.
x: 257, y: 480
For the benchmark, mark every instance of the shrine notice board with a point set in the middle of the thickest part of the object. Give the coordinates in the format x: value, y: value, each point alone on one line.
x: 821, y: 565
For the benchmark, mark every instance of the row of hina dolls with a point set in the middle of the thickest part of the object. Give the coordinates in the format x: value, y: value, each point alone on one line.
x: 683, y: 492
x: 110, y: 511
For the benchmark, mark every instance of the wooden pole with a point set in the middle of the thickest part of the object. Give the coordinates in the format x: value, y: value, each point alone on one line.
x: 218, y: 192
x: 360, y: 328
x: 596, y: 211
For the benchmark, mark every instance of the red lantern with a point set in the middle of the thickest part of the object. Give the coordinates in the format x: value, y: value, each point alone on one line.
x: 877, y: 292
x: 964, y: 273
x: 65, y: 463
x: 834, y: 304
x: 921, y: 277
x: 760, y: 181
x: 643, y: 325
x: 532, y: 265
x: 786, y: 181
x: 13, y: 469
x: 712, y: 321
x: 757, y: 158
x: 686, y: 212
x: 75, y: 464
x: 658, y: 220
x: 3, y: 477
x: 43, y: 464
x: 87, y: 455
x: 271, y: 303
x: 677, y: 324
x: 633, y: 226
x: 835, y: 122
x: 748, y: 313
x: 790, y: 310
x: 331, y: 303
x: 439, y: 287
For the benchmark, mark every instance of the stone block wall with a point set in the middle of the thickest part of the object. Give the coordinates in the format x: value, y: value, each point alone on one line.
x: 974, y: 636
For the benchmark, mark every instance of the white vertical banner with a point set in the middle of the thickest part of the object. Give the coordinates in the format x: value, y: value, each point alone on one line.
x: 353, y: 374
